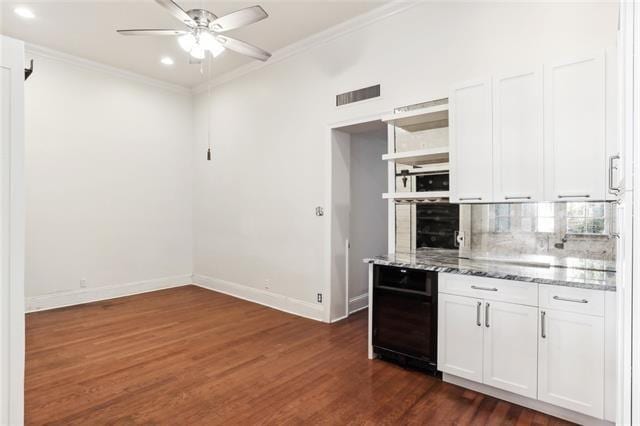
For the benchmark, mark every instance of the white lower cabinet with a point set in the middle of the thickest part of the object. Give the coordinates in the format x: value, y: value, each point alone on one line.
x: 489, y: 342
x: 460, y: 336
x: 571, y: 361
x: 543, y: 342
x: 510, y: 346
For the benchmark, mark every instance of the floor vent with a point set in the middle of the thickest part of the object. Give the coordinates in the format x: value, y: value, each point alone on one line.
x: 358, y: 95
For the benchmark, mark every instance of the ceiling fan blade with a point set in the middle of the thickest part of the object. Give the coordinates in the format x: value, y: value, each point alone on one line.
x: 178, y: 12
x: 238, y: 19
x: 151, y: 32
x: 243, y: 48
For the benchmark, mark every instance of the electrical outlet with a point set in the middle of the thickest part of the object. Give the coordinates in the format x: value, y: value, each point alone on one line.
x: 319, y: 297
x: 83, y: 283
x: 267, y: 284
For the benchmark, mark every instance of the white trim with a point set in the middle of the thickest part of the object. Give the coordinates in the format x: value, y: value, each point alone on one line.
x: 315, y: 40
x: 632, y: 231
x: 358, y: 303
x: 88, y: 295
x: 12, y: 234
x: 355, y: 121
x: 534, y: 404
x: 45, y: 52
x: 628, y: 97
x: 328, y: 218
x: 262, y: 297
x: 347, y: 247
x: 370, y: 353
x: 335, y: 320
x: 391, y: 185
x: 328, y: 201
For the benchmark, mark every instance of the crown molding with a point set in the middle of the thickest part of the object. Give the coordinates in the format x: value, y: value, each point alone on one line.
x: 313, y: 41
x: 45, y: 52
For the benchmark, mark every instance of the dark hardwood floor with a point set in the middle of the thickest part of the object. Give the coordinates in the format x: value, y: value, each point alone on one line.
x: 191, y: 356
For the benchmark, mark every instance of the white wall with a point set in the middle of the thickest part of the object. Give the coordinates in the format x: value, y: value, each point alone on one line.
x: 368, y: 214
x: 254, y: 204
x: 109, y: 182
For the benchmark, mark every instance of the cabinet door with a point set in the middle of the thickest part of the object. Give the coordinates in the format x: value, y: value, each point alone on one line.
x: 470, y: 144
x: 575, y: 142
x: 460, y: 336
x: 571, y: 361
x: 518, y: 137
x: 511, y: 347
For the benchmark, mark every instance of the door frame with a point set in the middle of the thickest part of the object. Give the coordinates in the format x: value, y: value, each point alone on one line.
x: 329, y: 201
x: 12, y: 217
x: 628, y: 327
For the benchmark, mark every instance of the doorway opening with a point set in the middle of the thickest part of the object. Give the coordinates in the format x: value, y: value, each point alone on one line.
x: 359, y: 215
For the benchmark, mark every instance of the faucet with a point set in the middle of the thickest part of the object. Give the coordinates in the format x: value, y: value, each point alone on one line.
x: 561, y: 245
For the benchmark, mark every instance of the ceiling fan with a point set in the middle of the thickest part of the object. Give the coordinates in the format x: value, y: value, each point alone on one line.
x: 203, y: 28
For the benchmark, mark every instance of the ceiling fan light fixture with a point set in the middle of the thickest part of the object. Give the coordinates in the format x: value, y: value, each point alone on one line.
x: 197, y: 51
x: 209, y: 42
x: 203, y: 30
x: 24, y: 12
x: 167, y: 61
x: 187, y: 42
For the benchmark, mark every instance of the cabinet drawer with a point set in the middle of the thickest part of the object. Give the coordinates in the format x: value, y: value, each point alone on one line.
x: 569, y: 299
x: 524, y: 293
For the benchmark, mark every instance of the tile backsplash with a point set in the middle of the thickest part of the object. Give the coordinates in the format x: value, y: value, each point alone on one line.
x: 561, y: 230
x: 577, y: 229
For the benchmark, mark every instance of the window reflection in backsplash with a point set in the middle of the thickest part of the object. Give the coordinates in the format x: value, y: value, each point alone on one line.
x: 577, y: 229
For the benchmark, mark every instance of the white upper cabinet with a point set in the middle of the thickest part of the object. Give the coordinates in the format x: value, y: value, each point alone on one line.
x: 575, y: 138
x: 544, y: 134
x: 471, y: 146
x: 518, y: 137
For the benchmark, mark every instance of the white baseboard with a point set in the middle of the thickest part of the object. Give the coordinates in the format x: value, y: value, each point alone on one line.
x: 534, y: 404
x: 267, y: 298
x: 87, y: 295
x: 358, y: 303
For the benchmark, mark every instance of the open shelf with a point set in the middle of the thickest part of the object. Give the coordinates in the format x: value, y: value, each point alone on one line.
x: 429, y: 169
x: 419, y: 156
x: 420, y: 119
x: 416, y: 196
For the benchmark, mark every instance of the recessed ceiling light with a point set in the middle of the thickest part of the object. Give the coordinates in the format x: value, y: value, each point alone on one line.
x: 24, y: 12
x: 167, y: 60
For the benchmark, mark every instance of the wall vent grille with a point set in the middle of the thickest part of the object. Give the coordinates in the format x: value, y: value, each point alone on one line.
x: 358, y: 95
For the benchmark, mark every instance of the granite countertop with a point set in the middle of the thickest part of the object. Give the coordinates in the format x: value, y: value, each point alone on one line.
x: 580, y: 273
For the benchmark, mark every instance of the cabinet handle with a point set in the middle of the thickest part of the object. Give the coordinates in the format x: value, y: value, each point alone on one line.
x: 486, y: 315
x: 613, y: 189
x: 475, y: 287
x: 478, y: 321
x: 574, y: 196
x: 543, y: 331
x: 470, y: 198
x: 567, y: 299
x: 526, y: 197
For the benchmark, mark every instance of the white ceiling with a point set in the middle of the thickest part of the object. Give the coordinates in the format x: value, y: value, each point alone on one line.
x: 88, y: 29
